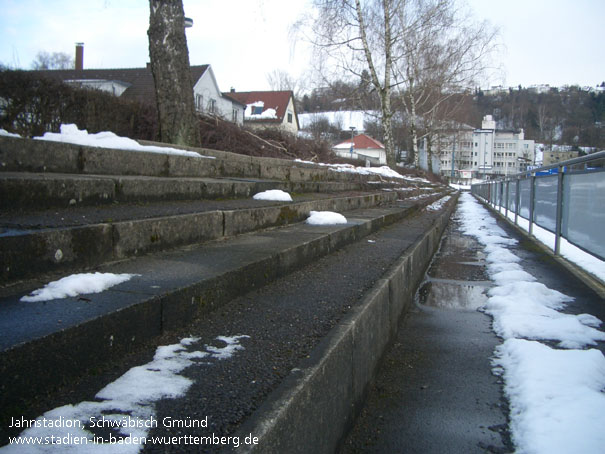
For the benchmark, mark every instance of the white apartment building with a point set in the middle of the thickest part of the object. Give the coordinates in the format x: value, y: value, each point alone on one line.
x: 466, y: 153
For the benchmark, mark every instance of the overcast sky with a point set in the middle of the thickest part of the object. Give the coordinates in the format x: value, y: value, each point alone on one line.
x: 554, y: 42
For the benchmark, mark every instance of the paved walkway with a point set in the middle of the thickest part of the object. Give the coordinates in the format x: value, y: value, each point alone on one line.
x: 435, y: 392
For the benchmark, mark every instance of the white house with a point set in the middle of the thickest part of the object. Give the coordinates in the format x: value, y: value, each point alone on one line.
x: 137, y: 83
x: 209, y: 99
x: 268, y: 109
x: 363, y: 147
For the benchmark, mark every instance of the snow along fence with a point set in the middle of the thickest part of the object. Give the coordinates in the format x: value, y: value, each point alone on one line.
x: 566, y: 199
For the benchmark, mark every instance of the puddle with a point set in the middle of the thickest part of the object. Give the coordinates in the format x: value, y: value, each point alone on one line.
x: 454, y: 294
x: 462, y: 242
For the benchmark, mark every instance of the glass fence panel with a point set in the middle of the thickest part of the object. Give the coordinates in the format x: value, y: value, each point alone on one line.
x: 512, y: 196
x: 584, y: 211
x: 499, y: 194
x: 524, y: 199
x: 545, y: 205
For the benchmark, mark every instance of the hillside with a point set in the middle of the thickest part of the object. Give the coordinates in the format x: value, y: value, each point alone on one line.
x: 570, y: 115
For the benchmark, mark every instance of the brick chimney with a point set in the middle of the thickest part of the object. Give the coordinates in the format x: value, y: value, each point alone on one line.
x: 79, y: 56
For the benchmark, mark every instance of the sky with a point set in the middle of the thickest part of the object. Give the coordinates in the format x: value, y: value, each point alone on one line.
x: 554, y: 42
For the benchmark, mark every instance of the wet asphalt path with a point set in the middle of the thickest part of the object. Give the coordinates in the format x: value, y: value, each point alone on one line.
x: 435, y: 392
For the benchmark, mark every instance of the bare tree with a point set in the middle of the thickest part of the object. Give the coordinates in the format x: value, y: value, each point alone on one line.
x: 446, y: 52
x: 56, y: 60
x: 352, y: 36
x: 281, y: 80
x: 171, y: 73
x: 418, y: 53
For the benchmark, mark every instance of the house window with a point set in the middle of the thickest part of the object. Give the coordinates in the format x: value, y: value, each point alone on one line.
x: 212, y: 105
x: 234, y: 115
x: 199, y: 103
x: 257, y: 110
x: 289, y: 117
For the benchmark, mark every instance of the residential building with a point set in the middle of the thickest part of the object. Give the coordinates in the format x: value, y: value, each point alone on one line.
x: 362, y: 147
x: 268, y: 109
x: 138, y: 84
x: 466, y: 153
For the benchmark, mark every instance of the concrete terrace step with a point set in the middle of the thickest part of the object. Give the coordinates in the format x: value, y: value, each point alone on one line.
x: 26, y: 251
x: 45, y: 345
x: 37, y: 156
x: 45, y: 190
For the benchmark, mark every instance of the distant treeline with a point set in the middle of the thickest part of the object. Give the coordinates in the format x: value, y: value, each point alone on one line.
x: 563, y: 116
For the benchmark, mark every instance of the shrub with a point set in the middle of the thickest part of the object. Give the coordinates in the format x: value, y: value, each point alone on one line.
x: 227, y: 136
x: 31, y: 105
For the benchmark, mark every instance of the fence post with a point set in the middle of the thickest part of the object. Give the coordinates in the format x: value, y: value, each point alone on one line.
x: 559, y: 211
x: 517, y: 199
x: 532, y: 195
x: 506, y: 201
x: 494, y: 193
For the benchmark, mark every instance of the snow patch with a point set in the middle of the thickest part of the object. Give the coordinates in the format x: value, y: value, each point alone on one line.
x: 71, y: 134
x: 572, y: 253
x: 273, y: 194
x: 556, y: 399
x: 325, y: 218
x: 5, y: 133
x: 77, y: 284
x: 128, y: 402
x: 438, y: 204
x: 257, y: 111
x: 345, y: 119
x: 557, y: 404
x: 383, y: 171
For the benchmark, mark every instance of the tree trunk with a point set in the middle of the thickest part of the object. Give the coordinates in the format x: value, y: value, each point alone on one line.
x: 414, y: 132
x: 171, y: 73
x: 383, y: 89
x: 389, y: 142
x: 429, y: 153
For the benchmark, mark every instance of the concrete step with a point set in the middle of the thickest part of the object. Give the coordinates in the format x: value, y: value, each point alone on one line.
x: 315, y: 335
x: 120, y: 232
x: 46, y: 345
x: 46, y: 190
x: 37, y: 156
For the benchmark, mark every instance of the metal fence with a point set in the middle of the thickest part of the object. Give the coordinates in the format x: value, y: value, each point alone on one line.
x: 567, y: 199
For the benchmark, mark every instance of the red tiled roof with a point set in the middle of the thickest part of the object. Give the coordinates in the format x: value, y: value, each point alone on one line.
x: 277, y: 100
x: 363, y: 141
x: 141, y: 82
